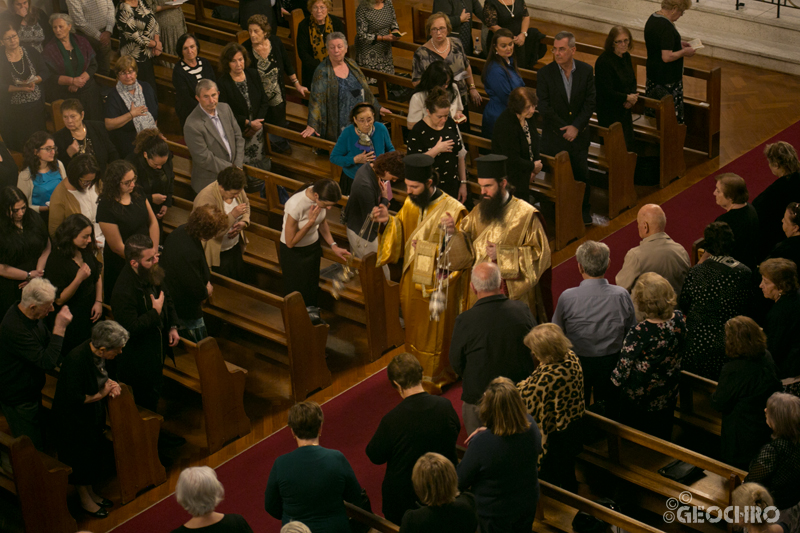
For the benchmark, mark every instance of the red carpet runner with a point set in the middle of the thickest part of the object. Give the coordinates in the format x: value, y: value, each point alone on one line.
x: 688, y: 213
x: 352, y: 417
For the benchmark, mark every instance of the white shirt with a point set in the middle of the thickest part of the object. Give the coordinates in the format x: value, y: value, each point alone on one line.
x: 298, y: 207
x: 88, y: 201
x: 227, y: 242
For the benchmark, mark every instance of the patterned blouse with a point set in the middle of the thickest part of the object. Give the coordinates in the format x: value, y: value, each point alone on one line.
x: 22, y: 71
x: 553, y: 395
x: 649, y: 366
x: 370, y: 23
x: 271, y: 76
x: 137, y: 26
x: 456, y: 59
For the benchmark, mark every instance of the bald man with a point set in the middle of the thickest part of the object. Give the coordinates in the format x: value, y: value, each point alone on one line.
x: 656, y: 253
x: 488, y: 340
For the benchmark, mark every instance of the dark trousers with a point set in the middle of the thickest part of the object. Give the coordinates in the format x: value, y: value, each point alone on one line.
x: 102, y: 53
x: 345, y: 183
x: 508, y: 524
x: 558, y: 465
x: 597, y: 378
x: 147, y: 73
x: 24, y: 419
x: 231, y: 264
x: 300, y: 268
x: 655, y: 423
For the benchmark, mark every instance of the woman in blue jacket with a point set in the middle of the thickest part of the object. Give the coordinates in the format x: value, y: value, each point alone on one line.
x: 500, y: 77
x: 360, y: 142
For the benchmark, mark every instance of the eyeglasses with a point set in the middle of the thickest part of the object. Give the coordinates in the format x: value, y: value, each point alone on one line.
x: 319, y: 7
x: 439, y: 30
x: 365, y: 120
x: 84, y: 182
x: 622, y: 41
x: 48, y: 149
x: 11, y: 38
x: 128, y: 182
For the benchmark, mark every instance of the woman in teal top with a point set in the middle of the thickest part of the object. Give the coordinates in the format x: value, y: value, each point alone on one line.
x: 41, y: 173
x: 360, y: 142
x: 500, y: 77
x: 310, y: 484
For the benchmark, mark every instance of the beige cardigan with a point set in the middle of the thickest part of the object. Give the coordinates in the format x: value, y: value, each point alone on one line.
x: 25, y: 183
x: 210, y: 196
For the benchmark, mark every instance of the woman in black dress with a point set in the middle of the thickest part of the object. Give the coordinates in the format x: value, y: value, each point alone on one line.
x: 615, y: 80
x: 715, y: 290
x: 771, y: 204
x: 665, y: 53
x: 445, y: 509
x: 437, y: 135
x: 24, y: 246
x: 731, y: 194
x: 74, y: 270
x: 79, y: 413
x: 789, y: 248
x: 79, y: 136
x: 516, y: 137
x: 779, y: 284
x: 513, y: 16
x: 122, y: 210
x: 748, y: 379
x: 22, y: 73
x: 187, y: 72
x: 311, y: 35
x: 199, y: 492
x: 152, y: 162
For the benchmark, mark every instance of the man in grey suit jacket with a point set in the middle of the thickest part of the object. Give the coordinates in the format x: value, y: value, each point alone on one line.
x: 212, y: 136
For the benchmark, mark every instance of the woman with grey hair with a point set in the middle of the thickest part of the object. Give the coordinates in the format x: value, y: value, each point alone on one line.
x: 79, y: 413
x: 337, y: 87
x: 72, y: 64
x: 199, y: 492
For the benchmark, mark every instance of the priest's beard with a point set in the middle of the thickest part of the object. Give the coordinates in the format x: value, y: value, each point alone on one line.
x: 492, y: 207
x: 152, y: 276
x: 421, y: 200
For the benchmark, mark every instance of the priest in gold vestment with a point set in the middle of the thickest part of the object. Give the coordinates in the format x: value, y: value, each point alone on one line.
x: 415, y: 235
x: 507, y: 231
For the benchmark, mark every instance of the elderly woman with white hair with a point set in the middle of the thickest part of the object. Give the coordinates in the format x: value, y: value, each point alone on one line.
x: 337, y: 87
x: 72, y: 64
x: 199, y: 492
x: 29, y: 350
x: 79, y: 411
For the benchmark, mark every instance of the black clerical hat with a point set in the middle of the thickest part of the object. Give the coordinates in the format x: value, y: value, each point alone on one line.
x: 419, y: 167
x: 492, y: 166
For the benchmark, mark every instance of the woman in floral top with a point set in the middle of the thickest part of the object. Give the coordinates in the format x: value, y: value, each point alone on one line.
x: 649, y: 366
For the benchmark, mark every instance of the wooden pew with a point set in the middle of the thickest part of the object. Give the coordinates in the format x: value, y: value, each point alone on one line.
x: 701, y: 116
x: 619, y: 165
x: 135, y: 445
x: 694, y: 403
x: 558, y: 186
x: 259, y: 316
x: 39, y: 482
x: 635, y: 457
x: 314, y: 171
x: 202, y: 368
x: 667, y: 134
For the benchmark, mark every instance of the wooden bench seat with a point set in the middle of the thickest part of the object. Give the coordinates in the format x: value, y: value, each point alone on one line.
x: 40, y: 484
x: 618, y: 164
x: 202, y: 368
x: 635, y: 457
x: 259, y: 316
x: 694, y: 403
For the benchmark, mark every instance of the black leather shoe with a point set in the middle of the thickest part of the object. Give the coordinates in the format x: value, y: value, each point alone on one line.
x: 105, y: 503
x: 100, y: 513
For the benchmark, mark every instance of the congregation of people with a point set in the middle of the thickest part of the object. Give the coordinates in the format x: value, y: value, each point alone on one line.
x: 82, y: 235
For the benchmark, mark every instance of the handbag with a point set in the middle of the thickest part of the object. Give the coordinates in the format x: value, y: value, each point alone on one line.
x: 681, y: 472
x: 586, y: 523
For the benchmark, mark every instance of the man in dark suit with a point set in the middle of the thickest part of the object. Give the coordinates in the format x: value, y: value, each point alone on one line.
x: 488, y: 340
x: 566, y: 102
x: 212, y: 135
x: 421, y: 423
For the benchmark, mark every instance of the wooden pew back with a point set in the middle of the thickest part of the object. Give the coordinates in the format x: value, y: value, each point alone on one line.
x: 40, y: 483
